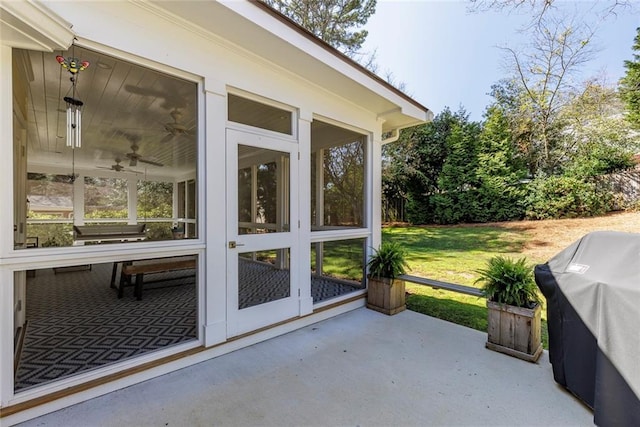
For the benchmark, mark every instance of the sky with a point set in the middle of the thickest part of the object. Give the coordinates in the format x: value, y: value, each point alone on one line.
x: 448, y: 57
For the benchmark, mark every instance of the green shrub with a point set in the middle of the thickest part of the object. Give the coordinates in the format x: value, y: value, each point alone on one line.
x: 420, y: 210
x: 566, y: 197
x: 500, y: 199
x: 509, y: 281
x: 159, y: 231
x: 600, y: 159
x: 51, y: 235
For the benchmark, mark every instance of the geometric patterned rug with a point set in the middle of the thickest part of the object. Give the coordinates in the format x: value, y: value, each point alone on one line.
x: 76, y: 323
x: 324, y: 288
x: 260, y: 283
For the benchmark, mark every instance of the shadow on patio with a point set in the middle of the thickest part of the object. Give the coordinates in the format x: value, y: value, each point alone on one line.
x: 360, y: 368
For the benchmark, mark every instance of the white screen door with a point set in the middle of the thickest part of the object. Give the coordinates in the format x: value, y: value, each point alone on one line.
x: 262, y: 231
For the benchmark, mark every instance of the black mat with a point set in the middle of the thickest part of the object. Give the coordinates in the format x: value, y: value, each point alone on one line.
x: 76, y: 323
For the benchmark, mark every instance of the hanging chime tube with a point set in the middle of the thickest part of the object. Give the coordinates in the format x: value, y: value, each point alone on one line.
x: 69, y: 126
x: 78, y: 126
x: 74, y: 122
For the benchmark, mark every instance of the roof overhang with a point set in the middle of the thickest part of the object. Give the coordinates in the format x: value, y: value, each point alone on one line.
x: 256, y: 28
x: 248, y: 25
x: 29, y: 25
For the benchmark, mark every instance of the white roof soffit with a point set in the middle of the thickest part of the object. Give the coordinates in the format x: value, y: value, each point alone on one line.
x: 29, y: 25
x: 255, y: 27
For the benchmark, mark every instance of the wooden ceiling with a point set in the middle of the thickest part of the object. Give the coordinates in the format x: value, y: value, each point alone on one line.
x: 127, y: 109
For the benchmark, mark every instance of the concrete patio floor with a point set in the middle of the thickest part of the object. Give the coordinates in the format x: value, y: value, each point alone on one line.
x: 361, y: 368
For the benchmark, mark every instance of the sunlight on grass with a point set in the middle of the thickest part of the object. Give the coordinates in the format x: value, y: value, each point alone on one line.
x: 454, y: 254
x: 461, y: 309
x: 342, y: 259
x: 453, y: 307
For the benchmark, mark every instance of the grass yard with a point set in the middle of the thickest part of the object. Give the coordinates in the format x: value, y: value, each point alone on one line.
x: 454, y: 253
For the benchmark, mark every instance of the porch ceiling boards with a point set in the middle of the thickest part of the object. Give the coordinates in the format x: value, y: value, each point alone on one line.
x: 125, y: 107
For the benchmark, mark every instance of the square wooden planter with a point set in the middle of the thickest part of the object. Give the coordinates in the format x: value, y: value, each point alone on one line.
x: 386, y: 296
x: 515, y: 331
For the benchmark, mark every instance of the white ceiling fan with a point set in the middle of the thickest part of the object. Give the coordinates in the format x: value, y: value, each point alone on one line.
x: 135, y: 157
x: 177, y: 127
x: 118, y: 167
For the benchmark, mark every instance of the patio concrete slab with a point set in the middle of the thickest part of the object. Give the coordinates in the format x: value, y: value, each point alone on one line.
x: 361, y: 368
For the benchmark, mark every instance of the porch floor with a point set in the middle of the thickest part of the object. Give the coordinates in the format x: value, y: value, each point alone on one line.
x: 360, y: 368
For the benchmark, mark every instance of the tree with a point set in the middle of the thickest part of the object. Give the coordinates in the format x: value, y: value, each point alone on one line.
x: 543, y: 86
x: 344, y: 183
x: 601, y: 141
x: 590, y: 138
x: 105, y: 197
x: 456, y: 199
x: 596, y: 142
x: 510, y: 102
x: 155, y: 199
x: 334, y: 21
x: 630, y: 84
x: 543, y: 73
x: 413, y: 165
x: 537, y: 9
x: 454, y: 170
x: 418, y: 158
x: 501, y: 171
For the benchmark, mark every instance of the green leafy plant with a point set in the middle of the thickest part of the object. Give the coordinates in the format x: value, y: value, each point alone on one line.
x: 388, y: 261
x: 509, y: 281
x: 566, y: 197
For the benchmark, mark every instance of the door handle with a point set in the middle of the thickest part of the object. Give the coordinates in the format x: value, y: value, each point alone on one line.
x: 233, y: 244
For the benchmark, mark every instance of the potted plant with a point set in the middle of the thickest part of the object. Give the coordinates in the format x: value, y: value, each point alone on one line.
x: 178, y: 231
x: 514, y: 308
x: 386, y: 293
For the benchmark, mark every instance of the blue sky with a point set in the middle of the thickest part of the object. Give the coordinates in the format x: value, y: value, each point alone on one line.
x: 447, y: 56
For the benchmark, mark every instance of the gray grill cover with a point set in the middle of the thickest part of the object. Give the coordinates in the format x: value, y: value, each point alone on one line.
x: 592, y: 290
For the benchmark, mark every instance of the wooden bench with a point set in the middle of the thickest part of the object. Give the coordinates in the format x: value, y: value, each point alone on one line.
x: 138, y: 269
x: 437, y: 284
x: 109, y: 232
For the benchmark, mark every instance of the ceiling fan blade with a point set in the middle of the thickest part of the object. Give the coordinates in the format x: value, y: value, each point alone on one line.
x: 133, y: 158
x: 151, y: 162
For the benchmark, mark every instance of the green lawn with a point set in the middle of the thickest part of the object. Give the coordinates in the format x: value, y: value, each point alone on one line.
x: 453, y: 254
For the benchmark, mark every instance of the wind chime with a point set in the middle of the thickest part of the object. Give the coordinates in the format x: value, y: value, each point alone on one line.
x: 74, y: 105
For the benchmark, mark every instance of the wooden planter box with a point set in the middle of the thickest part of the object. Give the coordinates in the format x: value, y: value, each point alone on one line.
x: 515, y: 331
x: 386, y: 296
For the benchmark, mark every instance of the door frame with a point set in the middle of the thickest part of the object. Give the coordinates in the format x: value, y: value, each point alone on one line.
x: 240, y: 321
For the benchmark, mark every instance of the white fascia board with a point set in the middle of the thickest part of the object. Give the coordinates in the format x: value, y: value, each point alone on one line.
x: 30, y: 25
